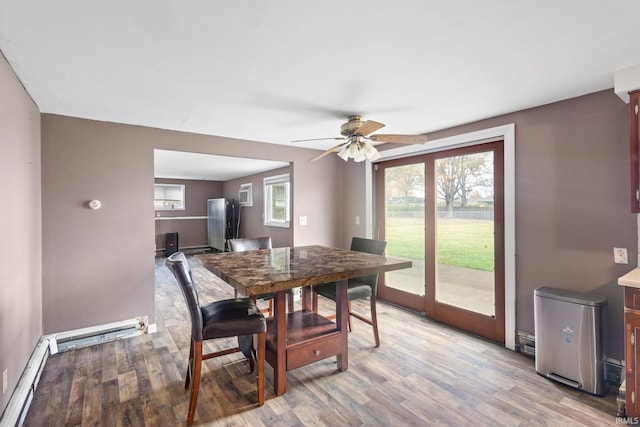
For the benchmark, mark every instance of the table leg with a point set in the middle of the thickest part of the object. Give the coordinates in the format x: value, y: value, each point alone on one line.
x: 342, y: 315
x: 306, y: 298
x: 280, y: 336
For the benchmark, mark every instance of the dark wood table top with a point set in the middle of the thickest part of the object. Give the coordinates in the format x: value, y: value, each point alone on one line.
x: 270, y: 270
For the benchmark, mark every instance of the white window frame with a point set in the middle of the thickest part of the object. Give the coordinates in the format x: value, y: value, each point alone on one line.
x: 245, y: 195
x: 268, y: 215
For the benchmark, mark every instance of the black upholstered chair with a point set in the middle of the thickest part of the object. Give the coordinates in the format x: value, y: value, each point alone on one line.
x: 358, y: 288
x: 252, y: 244
x: 220, y: 319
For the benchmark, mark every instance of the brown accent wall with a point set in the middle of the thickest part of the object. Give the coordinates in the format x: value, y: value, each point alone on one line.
x: 21, y: 249
x: 252, y: 217
x: 98, y: 265
x: 572, y: 207
x: 192, y: 232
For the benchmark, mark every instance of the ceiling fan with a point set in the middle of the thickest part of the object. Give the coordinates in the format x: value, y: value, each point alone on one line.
x: 357, y: 138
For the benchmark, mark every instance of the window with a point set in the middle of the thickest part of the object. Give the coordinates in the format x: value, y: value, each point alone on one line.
x: 168, y: 197
x: 245, y: 195
x: 277, y: 201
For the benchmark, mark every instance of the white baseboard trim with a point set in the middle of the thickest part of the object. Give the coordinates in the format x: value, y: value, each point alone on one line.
x: 20, y: 400
x: 18, y: 405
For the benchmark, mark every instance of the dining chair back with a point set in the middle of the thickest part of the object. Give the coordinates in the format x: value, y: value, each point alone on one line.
x: 249, y: 244
x: 238, y: 317
x: 252, y: 244
x: 370, y: 246
x: 357, y: 288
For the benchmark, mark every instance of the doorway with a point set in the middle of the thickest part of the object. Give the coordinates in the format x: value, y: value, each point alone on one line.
x: 445, y: 212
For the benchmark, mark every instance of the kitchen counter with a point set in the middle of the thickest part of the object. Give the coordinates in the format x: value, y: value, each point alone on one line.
x: 631, y: 279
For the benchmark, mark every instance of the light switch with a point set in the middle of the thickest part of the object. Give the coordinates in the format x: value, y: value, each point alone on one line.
x: 303, y: 220
x: 357, y: 220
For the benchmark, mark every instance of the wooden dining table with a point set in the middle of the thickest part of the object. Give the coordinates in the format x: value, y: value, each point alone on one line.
x: 302, y: 337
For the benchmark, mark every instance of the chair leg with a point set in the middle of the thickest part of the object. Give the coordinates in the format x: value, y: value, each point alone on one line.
x: 349, y: 317
x: 260, y: 373
x: 314, y: 302
x: 252, y: 364
x: 189, y: 365
x: 195, y: 386
x: 270, y: 307
x: 374, y: 320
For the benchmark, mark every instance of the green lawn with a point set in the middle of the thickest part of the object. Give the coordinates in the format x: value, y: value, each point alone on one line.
x: 461, y: 242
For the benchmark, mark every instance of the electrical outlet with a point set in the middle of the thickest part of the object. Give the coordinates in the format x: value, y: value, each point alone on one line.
x: 620, y: 256
x: 5, y: 380
x: 357, y: 220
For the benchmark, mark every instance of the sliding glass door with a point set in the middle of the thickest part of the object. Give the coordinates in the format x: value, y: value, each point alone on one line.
x: 444, y: 211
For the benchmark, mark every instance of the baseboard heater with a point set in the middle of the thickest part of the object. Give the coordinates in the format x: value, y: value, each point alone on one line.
x: 188, y: 250
x: 16, y: 410
x: 85, y: 337
x: 526, y: 344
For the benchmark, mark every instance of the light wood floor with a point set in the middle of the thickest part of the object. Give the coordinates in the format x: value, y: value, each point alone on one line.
x: 423, y: 374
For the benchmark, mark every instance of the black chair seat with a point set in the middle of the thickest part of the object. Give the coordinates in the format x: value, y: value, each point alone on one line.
x: 355, y: 290
x: 239, y: 317
x: 230, y: 318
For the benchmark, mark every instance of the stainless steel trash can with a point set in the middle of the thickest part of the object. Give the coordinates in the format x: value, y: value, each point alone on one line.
x: 568, y: 331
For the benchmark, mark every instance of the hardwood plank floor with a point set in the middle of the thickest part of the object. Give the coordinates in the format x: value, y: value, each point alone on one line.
x: 423, y: 374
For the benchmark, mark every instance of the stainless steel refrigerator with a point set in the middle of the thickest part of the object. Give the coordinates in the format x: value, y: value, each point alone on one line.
x: 222, y: 222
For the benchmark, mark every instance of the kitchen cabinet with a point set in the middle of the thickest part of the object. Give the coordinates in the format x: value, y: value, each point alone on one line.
x: 634, y: 121
x: 632, y: 354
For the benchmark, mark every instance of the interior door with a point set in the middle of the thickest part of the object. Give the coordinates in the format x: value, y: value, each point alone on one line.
x: 445, y: 212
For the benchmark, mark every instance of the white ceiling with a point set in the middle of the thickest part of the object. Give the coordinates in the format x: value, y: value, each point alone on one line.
x: 275, y: 71
x: 184, y: 165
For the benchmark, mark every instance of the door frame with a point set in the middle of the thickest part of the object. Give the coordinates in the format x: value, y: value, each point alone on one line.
x: 507, y: 134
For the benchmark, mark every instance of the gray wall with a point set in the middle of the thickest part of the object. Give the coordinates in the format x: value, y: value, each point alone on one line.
x: 111, y: 250
x: 20, y: 251
x: 572, y: 202
x: 191, y: 232
x: 251, y: 217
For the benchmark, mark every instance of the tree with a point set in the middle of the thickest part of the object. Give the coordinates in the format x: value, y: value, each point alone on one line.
x: 455, y: 176
x: 449, y: 183
x: 402, y: 181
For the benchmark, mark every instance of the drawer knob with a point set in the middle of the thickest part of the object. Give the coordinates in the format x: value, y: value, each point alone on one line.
x: 316, y: 352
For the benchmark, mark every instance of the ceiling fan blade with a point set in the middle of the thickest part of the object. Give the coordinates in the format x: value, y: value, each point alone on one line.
x: 399, y: 139
x: 318, y: 139
x: 367, y: 127
x: 329, y: 151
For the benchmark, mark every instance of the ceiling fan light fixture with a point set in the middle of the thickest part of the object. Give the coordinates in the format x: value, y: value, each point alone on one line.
x: 368, y: 150
x: 359, y: 151
x: 359, y: 156
x: 357, y: 134
x: 344, y: 153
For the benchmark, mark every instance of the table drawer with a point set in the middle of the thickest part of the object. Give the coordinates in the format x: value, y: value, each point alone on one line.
x: 312, y: 351
x: 632, y: 297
